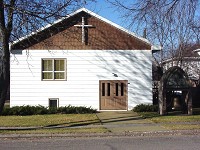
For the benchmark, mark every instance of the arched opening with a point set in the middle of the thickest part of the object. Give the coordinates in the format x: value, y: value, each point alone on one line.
x: 175, y: 92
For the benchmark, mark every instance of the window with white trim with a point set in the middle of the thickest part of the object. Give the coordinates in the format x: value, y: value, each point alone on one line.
x: 53, y: 102
x: 53, y: 69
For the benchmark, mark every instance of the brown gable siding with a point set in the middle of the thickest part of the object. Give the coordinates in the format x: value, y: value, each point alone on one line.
x: 65, y: 35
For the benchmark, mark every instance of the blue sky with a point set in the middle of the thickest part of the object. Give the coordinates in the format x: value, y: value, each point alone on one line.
x: 108, y: 11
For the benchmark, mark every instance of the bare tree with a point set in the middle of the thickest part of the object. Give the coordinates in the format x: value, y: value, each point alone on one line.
x: 196, y: 29
x: 169, y: 23
x: 172, y: 24
x: 21, y: 17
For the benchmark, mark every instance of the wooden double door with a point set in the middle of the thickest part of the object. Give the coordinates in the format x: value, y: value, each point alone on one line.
x: 113, y: 94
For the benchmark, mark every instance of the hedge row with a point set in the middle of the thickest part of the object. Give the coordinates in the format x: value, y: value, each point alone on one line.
x: 145, y: 108
x: 40, y: 110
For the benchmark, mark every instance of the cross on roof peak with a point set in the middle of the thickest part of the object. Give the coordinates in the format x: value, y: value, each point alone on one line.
x: 84, y: 26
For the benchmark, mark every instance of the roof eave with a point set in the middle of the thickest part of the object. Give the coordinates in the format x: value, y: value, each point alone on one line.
x: 156, y: 48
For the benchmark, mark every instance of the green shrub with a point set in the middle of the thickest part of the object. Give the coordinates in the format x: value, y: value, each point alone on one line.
x: 40, y: 110
x: 76, y: 110
x: 25, y: 110
x: 67, y: 110
x: 15, y: 110
x: 6, y: 111
x: 145, y: 108
x: 52, y: 110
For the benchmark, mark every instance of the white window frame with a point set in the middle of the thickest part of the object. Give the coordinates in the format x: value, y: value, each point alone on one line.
x: 53, y: 71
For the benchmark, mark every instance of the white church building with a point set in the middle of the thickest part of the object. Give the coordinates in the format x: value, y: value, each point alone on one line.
x: 81, y: 60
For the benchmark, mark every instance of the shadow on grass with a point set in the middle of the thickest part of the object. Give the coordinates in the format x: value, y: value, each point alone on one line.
x: 196, y: 111
x: 73, y: 124
x: 55, y: 126
x: 94, y: 122
x: 149, y: 115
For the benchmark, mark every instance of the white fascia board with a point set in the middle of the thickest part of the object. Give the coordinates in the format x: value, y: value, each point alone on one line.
x: 92, y: 14
x: 196, y: 50
x: 156, y: 48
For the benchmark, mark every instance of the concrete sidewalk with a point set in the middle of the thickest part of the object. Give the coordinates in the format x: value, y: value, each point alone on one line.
x: 127, y: 121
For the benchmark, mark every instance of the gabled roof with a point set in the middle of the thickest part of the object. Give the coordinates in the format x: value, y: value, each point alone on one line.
x: 143, y: 40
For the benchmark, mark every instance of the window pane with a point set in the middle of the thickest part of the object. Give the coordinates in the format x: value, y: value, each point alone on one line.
x: 103, y: 89
x: 47, y: 65
x: 122, y: 89
x: 53, y: 103
x: 59, y: 65
x: 108, y: 89
x: 53, y: 69
x: 116, y: 89
x: 47, y: 75
x: 59, y: 75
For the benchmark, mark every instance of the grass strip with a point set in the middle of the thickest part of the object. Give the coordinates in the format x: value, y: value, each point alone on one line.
x: 56, y: 131
x: 181, y: 126
x: 168, y: 119
x: 155, y: 117
x: 48, y: 120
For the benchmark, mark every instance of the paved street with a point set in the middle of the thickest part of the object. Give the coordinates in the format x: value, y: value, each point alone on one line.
x: 128, y: 131
x: 106, y: 143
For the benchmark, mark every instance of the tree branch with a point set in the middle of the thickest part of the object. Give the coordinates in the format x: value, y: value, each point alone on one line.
x: 10, y: 18
x: 2, y: 18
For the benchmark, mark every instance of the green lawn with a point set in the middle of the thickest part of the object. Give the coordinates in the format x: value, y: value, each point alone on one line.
x: 57, y: 131
x: 59, y: 120
x: 48, y: 120
x: 181, y: 126
x: 155, y: 117
x: 64, y: 121
x: 174, y: 121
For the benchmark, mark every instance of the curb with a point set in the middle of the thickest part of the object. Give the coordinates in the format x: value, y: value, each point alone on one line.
x: 124, y: 134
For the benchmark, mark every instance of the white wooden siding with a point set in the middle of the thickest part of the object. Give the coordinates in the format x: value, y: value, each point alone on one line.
x: 84, y: 70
